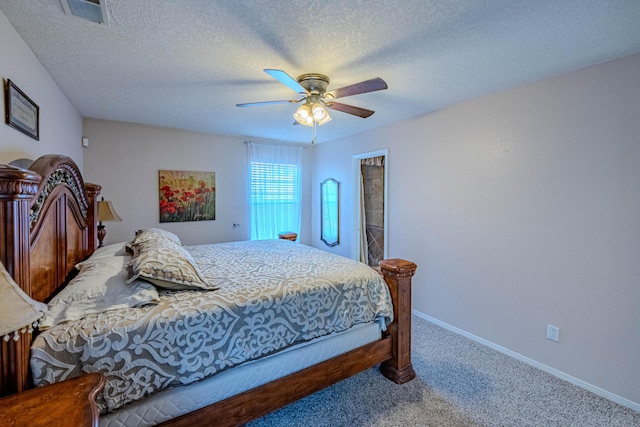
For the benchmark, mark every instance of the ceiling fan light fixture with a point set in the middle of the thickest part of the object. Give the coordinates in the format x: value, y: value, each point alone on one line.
x: 309, y: 113
x: 319, y: 112
x: 303, y: 115
x: 327, y: 119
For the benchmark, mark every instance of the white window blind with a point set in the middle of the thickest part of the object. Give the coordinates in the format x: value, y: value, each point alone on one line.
x: 275, y: 190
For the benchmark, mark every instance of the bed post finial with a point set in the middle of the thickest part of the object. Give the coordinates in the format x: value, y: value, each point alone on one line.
x: 397, y: 273
x: 93, y: 190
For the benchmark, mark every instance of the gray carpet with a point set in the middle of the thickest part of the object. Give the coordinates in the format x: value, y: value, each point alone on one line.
x: 459, y: 383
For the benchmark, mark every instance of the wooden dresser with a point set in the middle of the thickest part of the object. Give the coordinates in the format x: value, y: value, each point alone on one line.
x: 68, y: 403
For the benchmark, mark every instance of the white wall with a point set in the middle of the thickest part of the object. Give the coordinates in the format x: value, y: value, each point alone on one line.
x: 60, y: 122
x: 521, y: 209
x: 125, y: 159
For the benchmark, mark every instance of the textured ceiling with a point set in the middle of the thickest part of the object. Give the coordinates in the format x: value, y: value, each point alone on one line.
x: 185, y: 64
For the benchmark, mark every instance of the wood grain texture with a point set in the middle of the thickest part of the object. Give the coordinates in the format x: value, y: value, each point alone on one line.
x: 398, y: 274
x: 240, y: 409
x: 288, y: 236
x: 17, y: 188
x: 47, y: 225
x: 68, y: 403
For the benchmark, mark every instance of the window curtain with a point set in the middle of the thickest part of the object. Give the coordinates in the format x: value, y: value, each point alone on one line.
x: 275, y: 190
x: 372, y: 161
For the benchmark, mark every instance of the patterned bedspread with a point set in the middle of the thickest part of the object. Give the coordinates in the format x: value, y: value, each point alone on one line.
x: 271, y: 295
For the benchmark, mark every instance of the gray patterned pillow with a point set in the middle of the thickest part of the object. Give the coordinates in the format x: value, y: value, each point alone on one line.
x: 167, y: 265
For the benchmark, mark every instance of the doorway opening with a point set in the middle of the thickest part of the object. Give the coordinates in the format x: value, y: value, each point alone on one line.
x: 370, y: 207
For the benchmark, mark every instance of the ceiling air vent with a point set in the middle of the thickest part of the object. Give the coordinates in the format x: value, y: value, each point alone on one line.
x: 93, y: 10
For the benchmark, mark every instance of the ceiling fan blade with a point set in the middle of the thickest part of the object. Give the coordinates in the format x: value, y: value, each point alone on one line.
x: 255, y: 104
x: 350, y: 109
x: 286, y: 79
x: 371, y: 85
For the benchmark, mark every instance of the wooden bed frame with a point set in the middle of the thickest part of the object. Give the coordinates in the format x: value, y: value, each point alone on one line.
x: 48, y: 224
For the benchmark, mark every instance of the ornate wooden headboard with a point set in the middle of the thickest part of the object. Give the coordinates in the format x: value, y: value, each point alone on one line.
x: 47, y: 225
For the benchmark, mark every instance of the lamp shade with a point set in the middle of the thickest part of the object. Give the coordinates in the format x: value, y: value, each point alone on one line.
x: 309, y: 114
x: 106, y: 212
x: 320, y: 114
x: 17, y: 310
x: 303, y: 115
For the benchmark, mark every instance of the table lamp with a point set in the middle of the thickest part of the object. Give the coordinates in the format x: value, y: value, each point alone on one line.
x: 106, y: 212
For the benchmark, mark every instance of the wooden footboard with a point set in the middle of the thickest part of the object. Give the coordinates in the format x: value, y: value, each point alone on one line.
x: 392, y: 352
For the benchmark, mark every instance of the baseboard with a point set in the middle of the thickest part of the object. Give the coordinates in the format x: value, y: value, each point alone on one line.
x: 575, y: 381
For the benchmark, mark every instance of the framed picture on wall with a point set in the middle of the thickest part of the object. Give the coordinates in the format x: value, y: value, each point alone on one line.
x: 21, y: 112
x: 187, y: 196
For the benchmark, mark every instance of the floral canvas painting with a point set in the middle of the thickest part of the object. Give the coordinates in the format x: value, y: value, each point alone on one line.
x: 187, y: 196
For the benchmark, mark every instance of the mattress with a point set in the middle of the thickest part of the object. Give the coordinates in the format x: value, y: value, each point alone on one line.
x: 176, y: 401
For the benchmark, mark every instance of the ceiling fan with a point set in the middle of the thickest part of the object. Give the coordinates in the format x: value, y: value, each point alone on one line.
x: 315, y: 98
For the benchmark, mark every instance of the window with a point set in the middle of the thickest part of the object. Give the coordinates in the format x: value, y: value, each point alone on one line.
x: 275, y: 190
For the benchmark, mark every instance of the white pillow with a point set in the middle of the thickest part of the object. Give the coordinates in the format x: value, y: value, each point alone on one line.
x: 99, y: 286
x: 109, y: 251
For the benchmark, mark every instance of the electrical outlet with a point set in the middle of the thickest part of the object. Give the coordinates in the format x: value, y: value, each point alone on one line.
x: 553, y: 333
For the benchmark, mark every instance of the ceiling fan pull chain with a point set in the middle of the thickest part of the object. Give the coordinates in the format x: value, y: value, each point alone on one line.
x: 315, y: 126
